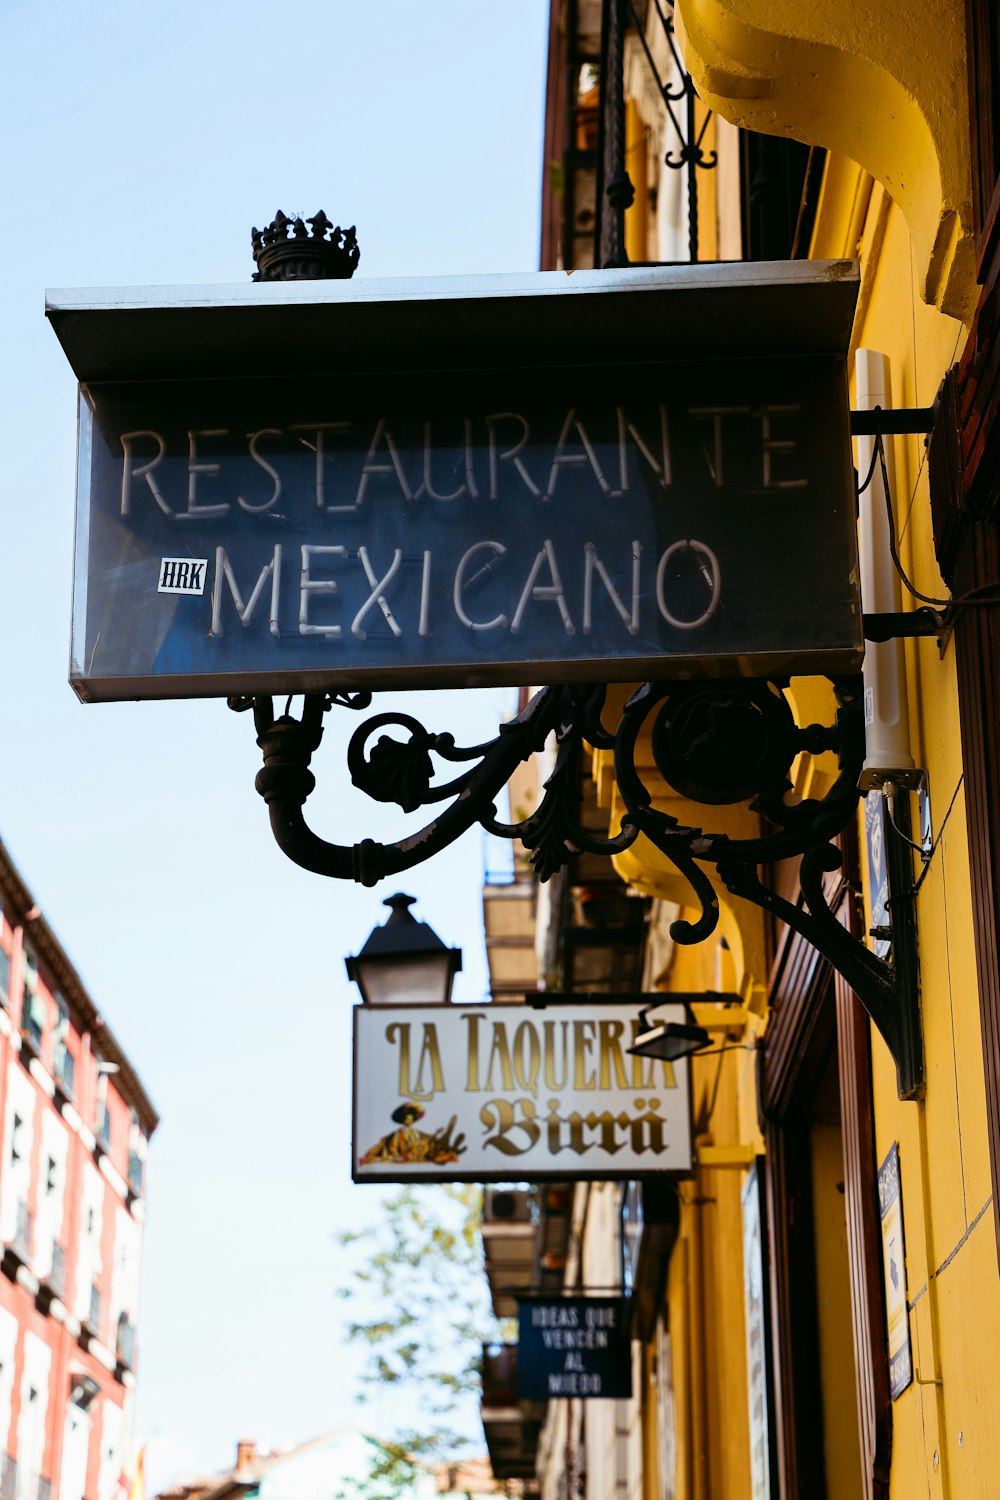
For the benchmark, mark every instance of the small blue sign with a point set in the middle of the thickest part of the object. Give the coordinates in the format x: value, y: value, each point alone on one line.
x: 579, y: 1347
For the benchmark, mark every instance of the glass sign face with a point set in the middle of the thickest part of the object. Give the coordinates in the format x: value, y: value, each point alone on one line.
x: 518, y: 525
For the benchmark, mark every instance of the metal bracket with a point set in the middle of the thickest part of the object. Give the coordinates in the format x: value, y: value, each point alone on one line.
x: 901, y: 422
x: 737, y: 1157
x: 907, y: 624
x: 715, y: 743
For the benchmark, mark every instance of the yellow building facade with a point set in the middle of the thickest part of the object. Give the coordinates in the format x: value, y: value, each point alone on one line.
x: 829, y: 1307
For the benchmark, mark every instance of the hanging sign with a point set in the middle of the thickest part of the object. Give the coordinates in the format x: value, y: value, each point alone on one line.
x: 574, y: 1346
x: 454, y: 510
x: 495, y: 1093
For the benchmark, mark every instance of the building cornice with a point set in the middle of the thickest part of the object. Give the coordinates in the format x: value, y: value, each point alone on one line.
x: 66, y: 978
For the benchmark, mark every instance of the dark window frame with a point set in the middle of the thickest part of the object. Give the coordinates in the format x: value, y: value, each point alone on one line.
x: 983, y: 53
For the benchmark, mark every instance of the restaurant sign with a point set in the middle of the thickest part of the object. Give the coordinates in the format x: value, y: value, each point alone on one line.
x: 574, y: 1346
x: 502, y: 1092
x: 455, y: 508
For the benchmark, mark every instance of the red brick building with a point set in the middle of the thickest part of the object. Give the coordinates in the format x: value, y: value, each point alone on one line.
x: 74, y: 1125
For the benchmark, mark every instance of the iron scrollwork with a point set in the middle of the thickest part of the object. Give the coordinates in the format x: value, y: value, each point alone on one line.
x: 686, y: 150
x: 715, y: 743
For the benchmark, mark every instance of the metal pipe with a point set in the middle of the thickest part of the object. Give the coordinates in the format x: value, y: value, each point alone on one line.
x: 887, y: 729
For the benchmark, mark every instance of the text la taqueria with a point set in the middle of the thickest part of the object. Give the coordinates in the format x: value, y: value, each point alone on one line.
x: 512, y: 1085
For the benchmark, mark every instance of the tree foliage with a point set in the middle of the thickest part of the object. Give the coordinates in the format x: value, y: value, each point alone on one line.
x: 421, y: 1281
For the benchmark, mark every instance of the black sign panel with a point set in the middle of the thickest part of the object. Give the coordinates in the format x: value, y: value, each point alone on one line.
x: 501, y: 526
x: 574, y: 1346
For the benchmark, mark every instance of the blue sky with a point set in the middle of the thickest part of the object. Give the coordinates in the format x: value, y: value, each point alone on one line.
x: 137, y: 146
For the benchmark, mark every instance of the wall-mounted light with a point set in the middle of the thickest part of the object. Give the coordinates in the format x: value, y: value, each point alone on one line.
x: 668, y: 1040
x: 404, y: 961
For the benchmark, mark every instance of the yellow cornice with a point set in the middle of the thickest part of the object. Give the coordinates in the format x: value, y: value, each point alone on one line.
x: 880, y: 82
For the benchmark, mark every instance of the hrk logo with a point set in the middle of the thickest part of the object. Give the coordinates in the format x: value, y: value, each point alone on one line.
x: 182, y: 575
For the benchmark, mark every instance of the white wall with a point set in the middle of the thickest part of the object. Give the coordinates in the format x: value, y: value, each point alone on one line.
x: 34, y: 1409
x: 18, y: 1146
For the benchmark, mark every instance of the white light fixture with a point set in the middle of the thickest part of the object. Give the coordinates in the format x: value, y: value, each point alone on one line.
x: 668, y: 1040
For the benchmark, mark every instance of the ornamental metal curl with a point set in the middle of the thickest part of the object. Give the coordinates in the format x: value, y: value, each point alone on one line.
x: 715, y: 743
x: 402, y: 771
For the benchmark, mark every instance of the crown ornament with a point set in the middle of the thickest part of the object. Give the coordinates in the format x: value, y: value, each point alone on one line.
x: 290, y: 250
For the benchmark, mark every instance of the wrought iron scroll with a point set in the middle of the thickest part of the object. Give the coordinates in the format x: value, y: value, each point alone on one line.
x: 715, y: 743
x: 618, y: 188
x: 685, y: 152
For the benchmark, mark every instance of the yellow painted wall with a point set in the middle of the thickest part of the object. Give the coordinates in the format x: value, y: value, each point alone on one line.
x: 705, y: 1306
x: 636, y: 162
x: 946, y: 1438
x: 883, y: 83
x: 946, y: 1426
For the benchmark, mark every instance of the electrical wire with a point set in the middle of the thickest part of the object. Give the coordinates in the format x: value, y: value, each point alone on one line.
x: 950, y: 605
x: 871, y: 472
x: 729, y: 1047
x: 706, y: 1112
x: 986, y: 594
x: 893, y: 553
x: 889, y: 790
x: 940, y: 835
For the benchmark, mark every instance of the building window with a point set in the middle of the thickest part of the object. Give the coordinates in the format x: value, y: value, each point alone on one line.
x: 32, y: 1006
x: 33, y: 1020
x: 136, y: 1155
x: 4, y: 977
x: 96, y: 1315
x: 65, y: 1069
x: 63, y: 1062
x: 102, y: 1122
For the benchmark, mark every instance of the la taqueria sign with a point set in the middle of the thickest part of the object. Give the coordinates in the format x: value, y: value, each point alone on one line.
x: 508, y: 1091
x: 501, y: 480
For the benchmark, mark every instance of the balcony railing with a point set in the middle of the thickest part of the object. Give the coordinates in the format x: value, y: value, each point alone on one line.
x: 511, y: 1427
x: 499, y: 1374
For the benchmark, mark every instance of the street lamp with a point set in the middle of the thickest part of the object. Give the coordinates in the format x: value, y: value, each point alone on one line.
x: 404, y: 961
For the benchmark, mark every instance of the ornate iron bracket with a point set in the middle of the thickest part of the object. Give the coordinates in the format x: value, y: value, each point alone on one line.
x: 715, y: 743
x: 685, y: 151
